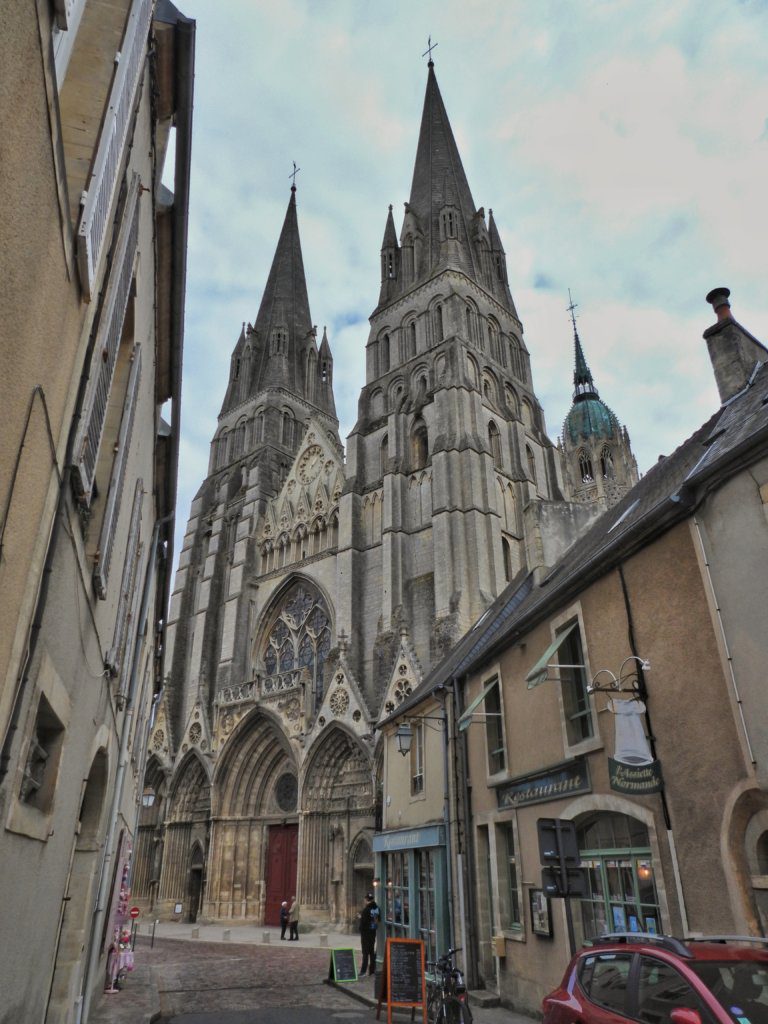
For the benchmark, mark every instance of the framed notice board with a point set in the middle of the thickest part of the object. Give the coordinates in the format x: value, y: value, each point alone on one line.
x: 343, y: 966
x: 403, y: 982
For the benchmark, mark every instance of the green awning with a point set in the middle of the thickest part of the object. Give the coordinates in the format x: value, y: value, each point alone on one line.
x: 538, y: 673
x: 466, y: 718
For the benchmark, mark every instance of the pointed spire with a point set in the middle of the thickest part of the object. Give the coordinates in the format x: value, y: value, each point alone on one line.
x: 439, y: 180
x: 325, y: 347
x: 286, y: 286
x: 493, y: 233
x: 390, y: 235
x: 584, y: 386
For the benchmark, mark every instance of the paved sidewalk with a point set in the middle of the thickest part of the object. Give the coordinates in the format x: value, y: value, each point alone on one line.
x: 156, y: 974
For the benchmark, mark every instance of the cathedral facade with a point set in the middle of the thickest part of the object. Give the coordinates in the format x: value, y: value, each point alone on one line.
x: 315, y: 587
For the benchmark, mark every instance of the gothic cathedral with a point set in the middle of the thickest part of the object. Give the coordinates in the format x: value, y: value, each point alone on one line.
x: 313, y: 592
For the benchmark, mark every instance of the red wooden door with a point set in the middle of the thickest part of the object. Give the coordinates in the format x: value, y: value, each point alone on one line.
x: 282, y: 856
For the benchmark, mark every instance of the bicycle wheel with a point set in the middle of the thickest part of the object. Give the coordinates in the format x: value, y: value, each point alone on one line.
x: 434, y: 1004
x: 457, y: 1012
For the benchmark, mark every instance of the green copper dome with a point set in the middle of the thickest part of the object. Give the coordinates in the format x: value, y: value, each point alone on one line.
x: 589, y: 417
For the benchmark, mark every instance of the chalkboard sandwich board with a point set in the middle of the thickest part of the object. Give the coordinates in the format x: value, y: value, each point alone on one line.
x: 403, y: 981
x: 343, y: 966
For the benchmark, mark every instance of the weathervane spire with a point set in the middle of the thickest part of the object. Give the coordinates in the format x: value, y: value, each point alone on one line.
x: 429, y: 49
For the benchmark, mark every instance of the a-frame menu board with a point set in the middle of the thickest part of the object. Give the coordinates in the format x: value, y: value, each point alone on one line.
x: 403, y: 982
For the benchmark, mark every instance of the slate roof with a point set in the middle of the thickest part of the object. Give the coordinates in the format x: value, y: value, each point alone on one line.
x: 734, y: 436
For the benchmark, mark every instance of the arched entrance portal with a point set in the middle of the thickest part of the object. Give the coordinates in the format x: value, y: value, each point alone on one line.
x: 254, y: 839
x: 189, y: 812
x: 337, y: 802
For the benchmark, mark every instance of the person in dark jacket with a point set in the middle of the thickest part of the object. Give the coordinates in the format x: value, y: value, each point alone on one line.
x: 283, y: 918
x: 369, y: 922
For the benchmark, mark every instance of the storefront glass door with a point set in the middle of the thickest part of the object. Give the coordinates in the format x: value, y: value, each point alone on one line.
x: 615, y: 850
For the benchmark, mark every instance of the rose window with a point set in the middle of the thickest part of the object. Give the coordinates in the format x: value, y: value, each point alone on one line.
x: 339, y: 701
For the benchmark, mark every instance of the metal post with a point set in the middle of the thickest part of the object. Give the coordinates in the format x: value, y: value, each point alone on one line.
x: 152, y: 941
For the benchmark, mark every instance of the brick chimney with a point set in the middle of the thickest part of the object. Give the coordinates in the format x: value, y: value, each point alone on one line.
x: 732, y: 350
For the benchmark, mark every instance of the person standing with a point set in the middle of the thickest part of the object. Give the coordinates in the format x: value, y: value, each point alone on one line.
x: 369, y: 922
x: 283, y: 918
x: 293, y: 920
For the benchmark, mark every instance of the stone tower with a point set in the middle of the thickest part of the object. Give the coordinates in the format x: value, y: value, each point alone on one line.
x: 598, y: 458
x: 312, y: 594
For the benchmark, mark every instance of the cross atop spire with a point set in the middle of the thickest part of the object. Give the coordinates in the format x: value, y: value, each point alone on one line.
x: 292, y: 175
x: 572, y: 310
x: 584, y: 385
x: 430, y: 47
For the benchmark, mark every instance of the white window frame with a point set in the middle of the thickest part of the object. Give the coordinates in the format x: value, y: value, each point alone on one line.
x: 117, y: 478
x: 67, y: 15
x: 105, y: 349
x: 104, y: 182
x: 593, y: 742
x: 417, y: 761
x: 122, y: 645
x: 488, y: 678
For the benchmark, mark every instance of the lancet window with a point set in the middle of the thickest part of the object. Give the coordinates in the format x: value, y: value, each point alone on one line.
x: 585, y: 467
x: 606, y: 463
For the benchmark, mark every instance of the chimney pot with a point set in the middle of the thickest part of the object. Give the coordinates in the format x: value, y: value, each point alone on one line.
x: 718, y: 298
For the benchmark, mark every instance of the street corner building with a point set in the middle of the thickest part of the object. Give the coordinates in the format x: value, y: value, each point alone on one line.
x: 317, y: 586
x: 92, y: 297
x: 620, y: 689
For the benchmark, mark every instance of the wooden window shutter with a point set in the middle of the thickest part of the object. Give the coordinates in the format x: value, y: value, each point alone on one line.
x: 107, y: 166
x: 115, y: 492
x: 104, y: 358
x: 115, y: 657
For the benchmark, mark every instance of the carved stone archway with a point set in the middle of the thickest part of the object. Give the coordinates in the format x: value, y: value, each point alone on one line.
x: 337, y: 802
x: 187, y: 822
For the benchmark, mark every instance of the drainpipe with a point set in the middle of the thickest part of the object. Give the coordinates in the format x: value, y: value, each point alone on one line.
x: 102, y: 900
x: 447, y: 815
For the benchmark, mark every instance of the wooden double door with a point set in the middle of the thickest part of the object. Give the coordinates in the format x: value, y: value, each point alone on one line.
x: 282, y: 858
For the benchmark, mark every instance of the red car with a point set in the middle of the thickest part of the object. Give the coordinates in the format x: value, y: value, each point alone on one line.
x: 656, y: 979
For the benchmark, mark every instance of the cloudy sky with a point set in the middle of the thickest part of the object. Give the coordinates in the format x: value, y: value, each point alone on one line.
x: 622, y: 144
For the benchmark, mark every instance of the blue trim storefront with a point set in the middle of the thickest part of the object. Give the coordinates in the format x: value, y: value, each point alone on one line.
x: 412, y: 886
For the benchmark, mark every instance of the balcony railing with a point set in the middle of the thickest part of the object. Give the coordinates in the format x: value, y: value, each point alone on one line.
x: 259, y: 686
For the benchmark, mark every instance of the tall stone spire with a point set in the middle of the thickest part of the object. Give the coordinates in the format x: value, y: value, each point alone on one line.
x: 440, y: 184
x: 273, y: 353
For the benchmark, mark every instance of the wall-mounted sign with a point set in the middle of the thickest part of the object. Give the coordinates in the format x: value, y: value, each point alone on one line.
x: 409, y: 839
x: 635, y: 780
x: 551, y: 784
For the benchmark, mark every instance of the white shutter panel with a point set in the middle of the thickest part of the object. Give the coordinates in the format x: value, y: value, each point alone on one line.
x: 132, y: 554
x: 115, y: 493
x: 107, y: 343
x: 67, y: 15
x: 104, y: 180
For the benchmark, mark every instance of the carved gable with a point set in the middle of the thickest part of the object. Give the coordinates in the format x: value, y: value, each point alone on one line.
x: 406, y: 676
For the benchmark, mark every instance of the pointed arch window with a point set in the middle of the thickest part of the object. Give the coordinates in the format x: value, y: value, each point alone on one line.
x: 531, y: 460
x: 258, y: 428
x: 287, y: 429
x: 606, y: 463
x: 507, y: 552
x: 494, y: 439
x: 300, y: 639
x: 437, y: 318
x: 448, y: 223
x: 412, y: 339
x: 384, y: 455
x: 585, y: 467
x: 384, y: 354
x: 419, y: 444
x: 470, y: 322
x: 493, y: 340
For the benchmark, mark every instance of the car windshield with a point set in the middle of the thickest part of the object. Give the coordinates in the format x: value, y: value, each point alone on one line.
x: 740, y: 986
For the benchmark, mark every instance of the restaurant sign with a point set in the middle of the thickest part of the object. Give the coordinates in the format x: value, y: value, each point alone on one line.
x: 635, y: 779
x: 552, y: 784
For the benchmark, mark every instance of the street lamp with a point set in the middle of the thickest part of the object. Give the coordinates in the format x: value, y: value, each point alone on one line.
x: 147, y: 797
x: 404, y: 737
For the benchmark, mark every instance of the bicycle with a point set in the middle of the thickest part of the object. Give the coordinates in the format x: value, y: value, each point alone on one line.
x: 447, y: 998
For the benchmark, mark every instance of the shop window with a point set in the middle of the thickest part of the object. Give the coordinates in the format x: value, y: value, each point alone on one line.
x: 509, y: 876
x: 494, y: 731
x: 42, y: 764
x: 573, y: 682
x: 417, y: 759
x: 425, y: 866
x: 397, y: 913
x: 621, y: 888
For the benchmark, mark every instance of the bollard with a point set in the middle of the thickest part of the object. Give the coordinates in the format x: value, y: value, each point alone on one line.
x: 227, y: 934
x: 266, y: 937
x: 323, y: 939
x: 195, y: 933
x: 154, y: 925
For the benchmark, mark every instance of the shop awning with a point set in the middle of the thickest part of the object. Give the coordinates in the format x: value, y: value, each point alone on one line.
x: 466, y: 718
x: 538, y: 673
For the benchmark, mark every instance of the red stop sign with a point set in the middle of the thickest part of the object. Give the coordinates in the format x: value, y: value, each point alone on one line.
x: 134, y: 912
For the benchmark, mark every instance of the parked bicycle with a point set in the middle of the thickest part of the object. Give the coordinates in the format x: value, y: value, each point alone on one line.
x: 447, y: 998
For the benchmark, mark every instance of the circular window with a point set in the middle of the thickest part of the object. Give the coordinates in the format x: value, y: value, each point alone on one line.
x: 287, y: 792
